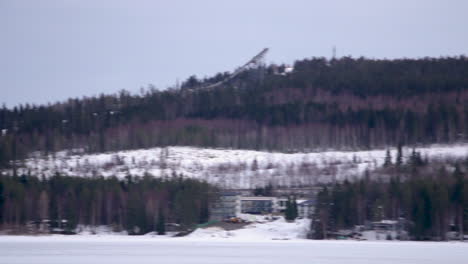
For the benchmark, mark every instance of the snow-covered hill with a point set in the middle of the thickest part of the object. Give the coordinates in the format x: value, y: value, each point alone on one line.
x: 226, y: 167
x: 259, y: 230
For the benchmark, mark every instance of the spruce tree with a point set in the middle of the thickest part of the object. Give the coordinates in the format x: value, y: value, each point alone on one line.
x: 399, y: 158
x: 288, y: 213
x: 294, y: 208
x: 161, y: 224
x: 204, y: 213
x: 388, y: 159
x: 1, y: 200
x: 458, y: 198
x: 291, y: 209
x: 415, y: 159
x: 322, y: 214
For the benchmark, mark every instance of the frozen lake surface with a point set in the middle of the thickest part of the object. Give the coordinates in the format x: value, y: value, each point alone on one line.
x: 122, y: 249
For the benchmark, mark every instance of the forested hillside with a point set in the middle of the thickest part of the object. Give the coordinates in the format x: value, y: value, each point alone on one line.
x: 431, y: 197
x: 342, y: 103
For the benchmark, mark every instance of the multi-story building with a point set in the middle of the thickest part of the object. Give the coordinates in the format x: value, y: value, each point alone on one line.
x: 232, y: 204
x: 227, y: 206
x: 305, y: 209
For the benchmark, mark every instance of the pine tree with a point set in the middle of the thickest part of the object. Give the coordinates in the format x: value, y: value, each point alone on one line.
x: 204, y: 213
x: 294, y: 208
x: 1, y: 201
x: 458, y: 198
x: 322, y: 214
x: 291, y: 209
x: 399, y: 158
x: 388, y: 159
x: 161, y: 224
x: 415, y: 159
x: 288, y: 212
x: 254, y: 166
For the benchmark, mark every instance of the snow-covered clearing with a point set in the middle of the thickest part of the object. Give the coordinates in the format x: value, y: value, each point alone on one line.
x: 259, y: 230
x: 229, y: 168
x: 128, y: 249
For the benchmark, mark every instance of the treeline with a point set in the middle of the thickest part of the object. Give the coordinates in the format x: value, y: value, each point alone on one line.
x: 432, y: 199
x: 339, y: 103
x: 135, y: 204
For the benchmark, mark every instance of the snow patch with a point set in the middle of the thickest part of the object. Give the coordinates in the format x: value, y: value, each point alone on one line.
x: 278, y: 229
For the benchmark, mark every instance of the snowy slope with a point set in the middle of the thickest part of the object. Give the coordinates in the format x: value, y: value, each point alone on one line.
x: 227, y: 167
x: 271, y: 230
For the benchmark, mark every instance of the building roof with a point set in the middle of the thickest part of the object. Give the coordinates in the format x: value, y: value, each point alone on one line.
x: 257, y: 198
x: 229, y: 193
x: 306, y: 203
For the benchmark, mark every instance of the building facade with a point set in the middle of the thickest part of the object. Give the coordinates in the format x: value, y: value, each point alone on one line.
x: 232, y: 204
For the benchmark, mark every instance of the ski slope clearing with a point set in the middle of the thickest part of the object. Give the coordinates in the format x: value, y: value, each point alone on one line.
x: 226, y: 167
x: 141, y: 250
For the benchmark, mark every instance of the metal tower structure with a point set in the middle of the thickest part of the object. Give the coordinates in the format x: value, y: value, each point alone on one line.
x: 254, y: 62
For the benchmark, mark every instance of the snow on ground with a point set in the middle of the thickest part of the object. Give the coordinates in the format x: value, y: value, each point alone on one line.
x: 226, y: 167
x: 373, y: 235
x: 83, y: 230
x: 257, y: 231
x: 262, y: 227
x: 266, y: 240
x: 142, y: 250
x: 108, y: 231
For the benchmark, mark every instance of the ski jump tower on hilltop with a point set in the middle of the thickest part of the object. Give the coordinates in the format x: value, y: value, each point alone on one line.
x: 254, y: 62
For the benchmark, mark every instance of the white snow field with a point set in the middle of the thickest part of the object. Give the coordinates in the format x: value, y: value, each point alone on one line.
x: 229, y: 168
x: 261, y: 229
x: 263, y: 241
x: 141, y: 250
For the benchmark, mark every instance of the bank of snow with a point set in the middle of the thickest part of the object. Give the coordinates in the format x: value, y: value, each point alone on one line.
x: 259, y: 230
x: 226, y: 167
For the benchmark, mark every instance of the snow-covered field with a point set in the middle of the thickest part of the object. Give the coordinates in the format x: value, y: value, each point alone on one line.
x: 128, y: 249
x: 229, y: 168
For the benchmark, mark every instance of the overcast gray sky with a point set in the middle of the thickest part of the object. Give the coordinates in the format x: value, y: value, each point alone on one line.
x: 51, y: 50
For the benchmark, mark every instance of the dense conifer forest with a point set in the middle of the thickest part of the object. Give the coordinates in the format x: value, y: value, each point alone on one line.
x: 431, y: 198
x: 135, y: 204
x: 343, y: 103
